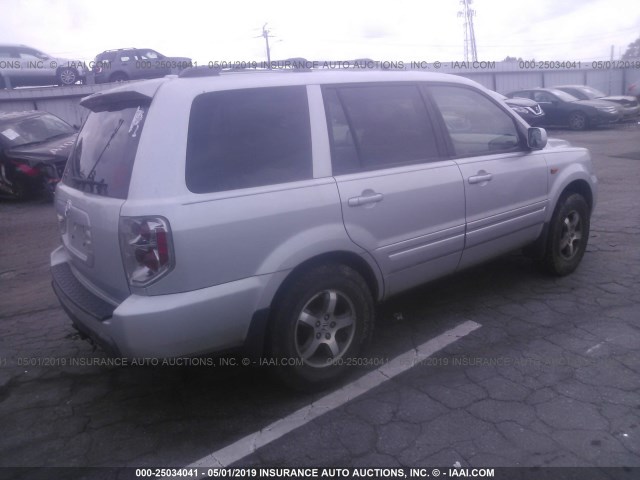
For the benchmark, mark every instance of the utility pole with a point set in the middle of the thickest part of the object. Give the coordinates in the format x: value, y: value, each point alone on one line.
x: 265, y: 34
x: 469, y: 34
x: 610, y: 80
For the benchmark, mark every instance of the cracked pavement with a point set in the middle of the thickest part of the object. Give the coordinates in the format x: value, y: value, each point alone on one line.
x: 551, y: 378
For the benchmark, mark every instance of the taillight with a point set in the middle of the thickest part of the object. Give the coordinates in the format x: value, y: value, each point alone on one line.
x: 147, y: 251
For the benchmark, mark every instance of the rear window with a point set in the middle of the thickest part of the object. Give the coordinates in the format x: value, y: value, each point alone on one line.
x: 248, y: 138
x: 103, y: 157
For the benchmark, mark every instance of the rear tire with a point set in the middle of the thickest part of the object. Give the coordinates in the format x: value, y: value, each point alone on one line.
x: 325, y: 317
x: 67, y: 76
x: 22, y: 189
x: 568, y: 235
x: 118, y: 77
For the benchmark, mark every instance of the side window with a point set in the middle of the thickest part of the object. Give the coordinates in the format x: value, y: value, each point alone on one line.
x: 148, y: 54
x: 522, y: 95
x: 30, y: 55
x: 476, y: 125
x: 543, y: 97
x: 248, y: 138
x: 378, y: 126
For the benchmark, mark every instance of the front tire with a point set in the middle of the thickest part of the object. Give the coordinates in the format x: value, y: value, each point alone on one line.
x: 578, y: 121
x: 325, y: 317
x: 568, y: 235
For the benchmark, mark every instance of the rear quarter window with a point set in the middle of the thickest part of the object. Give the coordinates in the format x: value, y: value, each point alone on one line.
x: 248, y: 138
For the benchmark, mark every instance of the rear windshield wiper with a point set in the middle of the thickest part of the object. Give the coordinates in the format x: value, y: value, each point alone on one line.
x: 92, y: 172
x: 90, y: 181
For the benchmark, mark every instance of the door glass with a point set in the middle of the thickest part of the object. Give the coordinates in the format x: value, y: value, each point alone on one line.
x: 476, y: 125
x: 379, y: 126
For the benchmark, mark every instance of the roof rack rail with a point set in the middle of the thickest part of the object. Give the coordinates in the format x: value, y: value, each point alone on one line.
x: 295, y: 63
x: 200, y: 71
x: 118, y: 49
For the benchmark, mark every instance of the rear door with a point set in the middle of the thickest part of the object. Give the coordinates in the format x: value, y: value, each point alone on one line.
x: 95, y: 186
x: 401, y: 201
x: 505, y: 183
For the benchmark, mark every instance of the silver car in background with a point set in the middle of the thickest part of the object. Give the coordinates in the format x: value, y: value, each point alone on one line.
x: 21, y: 65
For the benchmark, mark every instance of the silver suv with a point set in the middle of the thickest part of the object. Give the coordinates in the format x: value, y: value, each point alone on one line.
x: 272, y: 210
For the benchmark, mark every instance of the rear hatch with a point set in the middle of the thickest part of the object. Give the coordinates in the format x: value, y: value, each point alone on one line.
x: 95, y: 185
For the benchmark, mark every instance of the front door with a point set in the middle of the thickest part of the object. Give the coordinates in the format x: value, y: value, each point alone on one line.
x: 505, y: 183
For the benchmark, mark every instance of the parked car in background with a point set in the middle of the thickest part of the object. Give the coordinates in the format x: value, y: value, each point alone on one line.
x: 275, y: 209
x: 21, y: 65
x: 563, y: 109
x: 634, y: 90
x: 529, y: 110
x: 34, y: 147
x: 629, y: 104
x: 134, y: 64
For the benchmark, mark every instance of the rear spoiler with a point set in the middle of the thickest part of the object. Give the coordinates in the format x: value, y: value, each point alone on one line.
x: 128, y: 94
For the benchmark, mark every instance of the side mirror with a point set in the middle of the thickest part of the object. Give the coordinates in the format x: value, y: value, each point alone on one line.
x: 536, y: 138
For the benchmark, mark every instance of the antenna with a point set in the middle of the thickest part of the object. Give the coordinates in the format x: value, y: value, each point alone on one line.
x: 469, y: 34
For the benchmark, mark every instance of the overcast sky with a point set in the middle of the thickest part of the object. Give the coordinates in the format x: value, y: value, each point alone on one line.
x: 324, y: 29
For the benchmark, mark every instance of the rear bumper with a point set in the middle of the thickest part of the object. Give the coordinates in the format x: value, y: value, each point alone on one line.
x: 199, y: 322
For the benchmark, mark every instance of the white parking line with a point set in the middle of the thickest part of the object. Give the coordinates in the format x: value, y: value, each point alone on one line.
x: 249, y: 444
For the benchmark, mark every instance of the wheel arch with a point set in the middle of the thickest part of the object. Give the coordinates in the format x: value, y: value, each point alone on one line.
x: 538, y: 249
x: 258, y: 333
x: 582, y: 187
x: 343, y: 257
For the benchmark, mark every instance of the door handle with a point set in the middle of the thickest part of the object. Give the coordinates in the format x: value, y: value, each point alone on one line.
x: 365, y: 199
x: 483, y: 177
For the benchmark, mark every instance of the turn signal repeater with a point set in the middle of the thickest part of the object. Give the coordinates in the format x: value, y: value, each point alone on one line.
x: 147, y: 249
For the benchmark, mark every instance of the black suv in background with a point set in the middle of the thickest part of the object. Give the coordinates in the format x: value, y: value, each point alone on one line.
x: 135, y: 63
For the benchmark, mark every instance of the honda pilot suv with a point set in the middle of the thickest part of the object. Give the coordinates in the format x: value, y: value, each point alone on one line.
x: 272, y: 210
